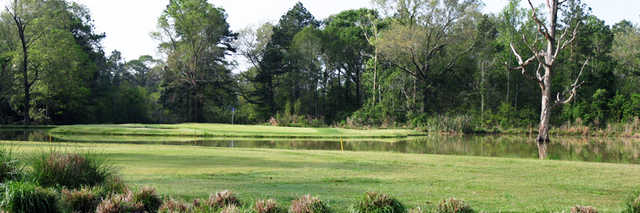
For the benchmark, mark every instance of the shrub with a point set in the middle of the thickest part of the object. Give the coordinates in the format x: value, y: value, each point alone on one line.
x: 10, y: 168
x: 308, y: 204
x: 633, y: 203
x: 452, y: 205
x: 149, y: 199
x: 56, y: 169
x: 113, y: 185
x: 21, y: 197
x: 584, y: 209
x: 223, y: 199
x: 449, y: 124
x: 120, y: 203
x: 374, y: 202
x: 80, y: 201
x: 173, y: 206
x: 268, y: 206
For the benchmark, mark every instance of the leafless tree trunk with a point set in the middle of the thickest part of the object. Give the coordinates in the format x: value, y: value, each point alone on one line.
x: 545, y: 60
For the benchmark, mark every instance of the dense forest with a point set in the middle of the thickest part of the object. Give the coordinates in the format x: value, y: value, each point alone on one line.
x: 406, y: 63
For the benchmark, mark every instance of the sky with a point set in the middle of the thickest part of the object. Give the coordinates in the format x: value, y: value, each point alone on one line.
x: 128, y: 23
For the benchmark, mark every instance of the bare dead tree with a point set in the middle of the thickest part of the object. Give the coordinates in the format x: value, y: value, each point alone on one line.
x: 546, y: 60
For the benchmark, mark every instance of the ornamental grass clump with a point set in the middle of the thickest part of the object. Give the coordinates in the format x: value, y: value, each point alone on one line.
x: 223, y: 199
x: 268, y: 206
x: 69, y: 170
x: 23, y: 197
x: 173, y: 206
x: 84, y: 200
x: 231, y: 209
x: 120, y: 203
x: 633, y: 203
x: 453, y: 205
x: 10, y: 168
x: 584, y: 209
x: 374, y: 202
x: 308, y: 204
x: 113, y: 185
x: 149, y: 199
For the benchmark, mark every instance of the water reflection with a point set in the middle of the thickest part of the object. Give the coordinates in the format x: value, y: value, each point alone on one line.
x: 613, y: 150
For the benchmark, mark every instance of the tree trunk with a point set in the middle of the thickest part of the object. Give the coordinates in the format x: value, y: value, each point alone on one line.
x: 375, y: 77
x: 25, y: 75
x: 425, y: 99
x: 543, y: 131
x: 358, y: 92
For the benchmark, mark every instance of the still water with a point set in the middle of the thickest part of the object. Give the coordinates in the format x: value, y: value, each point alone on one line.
x: 612, y: 150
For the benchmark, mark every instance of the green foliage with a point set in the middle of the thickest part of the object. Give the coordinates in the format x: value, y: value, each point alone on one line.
x: 598, y: 111
x: 113, y: 185
x: 10, y: 167
x: 308, y: 204
x: 83, y: 200
x: 198, y: 49
x: 445, y: 123
x: 453, y: 205
x: 25, y: 197
x: 70, y: 170
x: 633, y: 203
x: 293, y: 120
x: 149, y: 199
x: 374, y: 202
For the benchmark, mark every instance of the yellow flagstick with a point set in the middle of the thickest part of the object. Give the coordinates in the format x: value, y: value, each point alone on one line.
x: 341, y: 146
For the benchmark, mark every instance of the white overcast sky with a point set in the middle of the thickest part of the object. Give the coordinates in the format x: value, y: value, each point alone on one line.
x: 128, y: 23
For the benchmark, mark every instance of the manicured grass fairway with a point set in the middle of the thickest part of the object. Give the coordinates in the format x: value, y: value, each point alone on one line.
x: 226, y: 130
x: 489, y: 184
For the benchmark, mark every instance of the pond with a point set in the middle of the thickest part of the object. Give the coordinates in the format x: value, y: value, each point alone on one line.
x: 611, y: 150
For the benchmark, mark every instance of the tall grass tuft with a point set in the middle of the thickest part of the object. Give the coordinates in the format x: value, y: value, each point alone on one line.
x: 84, y: 200
x: 417, y: 210
x: 633, y: 203
x: 374, y: 202
x: 231, y: 209
x: 223, y: 199
x: 10, y: 168
x: 113, y: 185
x: 453, y: 205
x: 149, y: 199
x: 446, y: 123
x: 268, y: 206
x: 308, y: 204
x: 173, y: 206
x: 69, y: 170
x: 23, y: 197
x: 120, y: 203
x: 584, y: 209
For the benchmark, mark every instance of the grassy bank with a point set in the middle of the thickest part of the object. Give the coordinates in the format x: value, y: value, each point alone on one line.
x: 488, y: 184
x: 190, y: 139
x: 227, y: 130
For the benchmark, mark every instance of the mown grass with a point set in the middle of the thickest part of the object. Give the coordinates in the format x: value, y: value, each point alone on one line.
x: 487, y: 184
x: 227, y: 130
x: 189, y: 139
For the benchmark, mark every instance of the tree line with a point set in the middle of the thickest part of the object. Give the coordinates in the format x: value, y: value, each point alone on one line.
x: 402, y: 63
